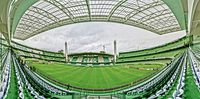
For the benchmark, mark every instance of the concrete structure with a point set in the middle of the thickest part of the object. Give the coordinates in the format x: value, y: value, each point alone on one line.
x: 115, y: 51
x: 22, y: 19
x: 91, y: 58
x: 66, y: 52
x: 34, y: 16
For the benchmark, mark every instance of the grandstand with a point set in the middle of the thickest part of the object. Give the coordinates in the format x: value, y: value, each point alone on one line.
x: 168, y: 71
x: 91, y: 58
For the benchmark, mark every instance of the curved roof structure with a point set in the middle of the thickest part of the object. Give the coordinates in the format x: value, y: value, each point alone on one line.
x: 28, y: 18
x: 194, y: 17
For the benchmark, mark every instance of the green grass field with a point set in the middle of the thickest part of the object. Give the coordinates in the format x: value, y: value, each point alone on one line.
x: 97, y: 77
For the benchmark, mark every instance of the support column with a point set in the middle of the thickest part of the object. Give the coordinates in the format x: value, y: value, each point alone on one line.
x: 115, y: 51
x: 66, y: 53
x: 1, y: 53
x: 190, y: 39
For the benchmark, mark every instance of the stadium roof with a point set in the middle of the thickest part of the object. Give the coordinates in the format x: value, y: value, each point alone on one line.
x: 194, y: 17
x: 22, y: 19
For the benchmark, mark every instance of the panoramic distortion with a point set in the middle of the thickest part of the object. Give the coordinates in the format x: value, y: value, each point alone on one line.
x: 99, y: 49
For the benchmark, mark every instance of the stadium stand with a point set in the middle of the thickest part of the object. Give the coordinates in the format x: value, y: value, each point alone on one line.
x: 195, y: 69
x: 6, y: 74
x: 91, y: 58
x: 29, y: 52
x: 170, y: 82
x: 184, y: 86
x: 183, y: 42
x: 38, y: 87
x: 50, y: 89
x: 164, y: 55
x: 156, y: 82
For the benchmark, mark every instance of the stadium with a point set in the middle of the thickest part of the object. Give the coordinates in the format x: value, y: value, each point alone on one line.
x: 167, y: 71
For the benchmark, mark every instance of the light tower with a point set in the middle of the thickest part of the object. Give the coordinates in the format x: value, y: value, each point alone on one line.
x: 115, y: 51
x: 0, y: 62
x: 66, y: 52
x: 104, y: 48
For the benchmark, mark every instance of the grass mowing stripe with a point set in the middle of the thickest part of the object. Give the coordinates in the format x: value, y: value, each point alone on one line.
x: 110, y: 78
x: 129, y: 70
x: 59, y: 77
x: 59, y: 67
x: 53, y: 69
x: 105, y: 78
x: 69, y: 77
x: 95, y: 77
x: 90, y: 80
x: 120, y: 76
x: 68, y: 73
x: 81, y: 79
x: 115, y: 76
x: 65, y: 71
x: 130, y: 74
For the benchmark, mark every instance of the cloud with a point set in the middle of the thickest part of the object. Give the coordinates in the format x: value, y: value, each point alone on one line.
x: 85, y: 37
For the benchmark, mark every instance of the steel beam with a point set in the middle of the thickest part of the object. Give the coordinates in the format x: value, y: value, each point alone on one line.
x: 115, y: 8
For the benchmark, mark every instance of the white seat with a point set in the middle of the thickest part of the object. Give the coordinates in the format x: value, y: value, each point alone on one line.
x: 21, y: 95
x: 178, y: 98
x: 152, y: 97
x: 159, y: 92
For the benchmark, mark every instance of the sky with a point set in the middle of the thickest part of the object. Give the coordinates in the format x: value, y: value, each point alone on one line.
x: 91, y: 36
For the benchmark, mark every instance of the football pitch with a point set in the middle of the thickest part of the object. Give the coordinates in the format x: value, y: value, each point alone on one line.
x: 96, y: 77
